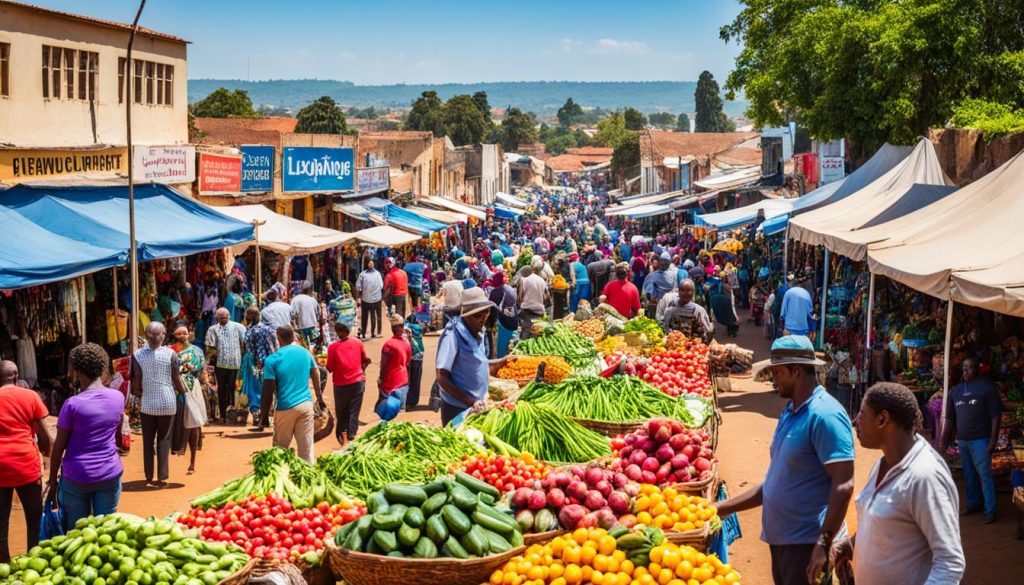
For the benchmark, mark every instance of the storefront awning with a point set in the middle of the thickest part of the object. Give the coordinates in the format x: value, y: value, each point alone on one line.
x: 511, y: 200
x: 401, y: 217
x: 448, y: 217
x: 502, y: 212
x: 283, y: 234
x: 385, y: 236
x: 33, y: 255
x: 456, y: 206
x: 167, y: 224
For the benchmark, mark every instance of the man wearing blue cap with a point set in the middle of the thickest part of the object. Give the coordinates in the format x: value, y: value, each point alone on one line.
x: 807, y: 489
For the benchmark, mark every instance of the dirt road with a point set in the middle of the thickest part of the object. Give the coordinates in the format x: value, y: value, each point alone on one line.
x: 750, y: 413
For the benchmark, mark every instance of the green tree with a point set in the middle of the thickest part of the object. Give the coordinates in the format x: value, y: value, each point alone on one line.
x: 710, y: 117
x: 224, y: 103
x: 464, y: 122
x: 874, y: 71
x: 634, y: 118
x: 612, y: 131
x: 518, y: 128
x: 626, y: 155
x: 569, y: 113
x: 558, y: 139
x: 662, y: 119
x: 683, y: 125
x: 427, y: 114
x: 322, y: 117
x: 480, y: 99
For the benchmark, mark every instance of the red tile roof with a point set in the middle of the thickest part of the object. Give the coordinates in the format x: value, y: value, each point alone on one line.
x: 239, y: 131
x: 96, y: 21
x: 591, y: 151
x: 396, y: 135
x: 658, y: 144
x: 574, y: 162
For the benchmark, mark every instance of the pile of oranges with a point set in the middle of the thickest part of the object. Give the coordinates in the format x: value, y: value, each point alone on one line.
x: 521, y: 367
x: 592, y: 556
x: 592, y: 328
x: 671, y: 510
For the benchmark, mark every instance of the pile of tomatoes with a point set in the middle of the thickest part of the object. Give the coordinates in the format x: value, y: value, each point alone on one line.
x: 679, y: 372
x: 505, y: 473
x: 268, y: 527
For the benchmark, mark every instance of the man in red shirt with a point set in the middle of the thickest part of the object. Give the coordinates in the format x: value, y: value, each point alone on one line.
x: 347, y: 361
x: 622, y: 294
x: 396, y: 287
x: 394, y: 367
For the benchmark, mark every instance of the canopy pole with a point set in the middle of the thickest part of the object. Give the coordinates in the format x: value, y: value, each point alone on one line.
x: 824, y: 299
x: 945, y: 360
x: 256, y: 223
x: 133, y: 259
x: 81, y: 309
x: 867, y: 328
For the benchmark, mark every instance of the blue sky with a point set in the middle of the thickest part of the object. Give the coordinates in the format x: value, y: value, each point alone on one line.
x: 384, y: 42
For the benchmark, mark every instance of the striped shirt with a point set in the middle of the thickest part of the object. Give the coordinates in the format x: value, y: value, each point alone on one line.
x: 157, y: 384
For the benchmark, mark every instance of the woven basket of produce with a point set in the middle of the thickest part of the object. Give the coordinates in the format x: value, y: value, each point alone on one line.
x: 610, y: 429
x: 523, y: 368
x: 262, y: 567
x: 711, y: 427
x: 705, y: 488
x: 358, y: 568
x: 542, y: 537
x: 698, y: 539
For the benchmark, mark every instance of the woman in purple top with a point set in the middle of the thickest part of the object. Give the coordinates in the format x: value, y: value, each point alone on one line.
x: 88, y: 434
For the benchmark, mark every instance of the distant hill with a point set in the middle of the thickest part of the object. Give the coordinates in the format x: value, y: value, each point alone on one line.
x: 542, y: 97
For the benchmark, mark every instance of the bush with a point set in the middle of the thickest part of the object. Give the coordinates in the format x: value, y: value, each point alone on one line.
x: 992, y: 118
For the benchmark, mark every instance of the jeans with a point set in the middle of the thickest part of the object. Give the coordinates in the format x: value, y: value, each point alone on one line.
x: 415, y: 296
x: 448, y: 412
x: 226, y: 381
x: 977, y: 464
x: 398, y: 302
x: 79, y: 500
x: 348, y: 400
x: 412, y: 399
x: 31, y: 497
x: 371, y: 312
x: 580, y: 293
x: 156, y: 441
x: 789, y: 563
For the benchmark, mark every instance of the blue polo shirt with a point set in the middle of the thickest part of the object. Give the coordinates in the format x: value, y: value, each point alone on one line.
x: 462, y: 354
x: 796, y: 487
x: 290, y: 367
x: 797, y: 307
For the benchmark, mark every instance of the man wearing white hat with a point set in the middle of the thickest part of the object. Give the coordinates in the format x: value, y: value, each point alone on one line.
x: 462, y: 366
x: 809, y: 483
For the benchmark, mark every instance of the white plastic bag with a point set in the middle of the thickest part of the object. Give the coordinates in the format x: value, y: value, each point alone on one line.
x: 195, y: 407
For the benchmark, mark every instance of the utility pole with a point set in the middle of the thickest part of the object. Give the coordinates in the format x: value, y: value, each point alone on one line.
x: 133, y: 259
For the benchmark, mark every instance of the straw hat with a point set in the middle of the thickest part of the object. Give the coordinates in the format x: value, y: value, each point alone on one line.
x: 475, y: 300
x: 789, y: 350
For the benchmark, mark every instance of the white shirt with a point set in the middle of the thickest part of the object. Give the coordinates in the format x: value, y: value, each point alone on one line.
x: 277, y: 314
x: 664, y: 303
x: 909, y: 526
x: 531, y: 293
x: 304, y: 311
x: 452, y: 294
x: 370, y: 286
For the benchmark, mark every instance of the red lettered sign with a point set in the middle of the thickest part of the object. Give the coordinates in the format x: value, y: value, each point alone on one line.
x: 219, y: 173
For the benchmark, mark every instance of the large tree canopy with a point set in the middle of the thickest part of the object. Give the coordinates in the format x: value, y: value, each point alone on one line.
x: 428, y: 114
x: 223, y: 103
x: 875, y: 70
x: 464, y: 122
x: 322, y: 117
x: 518, y: 128
x: 709, y: 116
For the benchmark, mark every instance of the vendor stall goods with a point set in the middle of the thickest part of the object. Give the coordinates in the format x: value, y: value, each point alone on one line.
x: 504, y: 472
x: 619, y: 556
x: 647, y: 327
x: 119, y: 549
x: 524, y: 367
x: 616, y: 399
x: 576, y: 496
x: 546, y: 434
x: 663, y: 453
x: 680, y: 372
x: 560, y: 340
x: 394, y: 453
x: 448, y: 517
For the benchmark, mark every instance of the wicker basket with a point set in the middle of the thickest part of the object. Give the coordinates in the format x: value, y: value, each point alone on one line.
x: 358, y: 568
x: 542, y: 537
x: 261, y: 567
x: 610, y: 429
x: 705, y: 489
x: 699, y: 539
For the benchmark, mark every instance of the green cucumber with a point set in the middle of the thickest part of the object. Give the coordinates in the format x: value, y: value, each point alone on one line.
x: 452, y: 548
x: 377, y: 503
x: 364, y: 525
x: 496, y: 543
x: 409, y: 495
x: 456, y: 521
x: 385, y: 540
x: 386, y: 521
x: 434, y: 503
x: 487, y: 499
x: 475, y: 485
x: 435, y: 487
x: 407, y: 535
x: 516, y: 538
x: 414, y: 517
x: 424, y: 549
x: 464, y: 499
x: 397, y: 554
x: 496, y: 515
x: 437, y: 530
x: 475, y: 541
x: 491, y: 523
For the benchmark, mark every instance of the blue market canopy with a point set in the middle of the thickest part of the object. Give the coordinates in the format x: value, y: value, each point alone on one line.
x: 403, y: 218
x: 167, y: 224
x: 502, y: 212
x: 33, y: 255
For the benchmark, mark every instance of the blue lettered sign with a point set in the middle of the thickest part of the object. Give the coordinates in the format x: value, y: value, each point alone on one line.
x: 257, y: 168
x: 317, y: 169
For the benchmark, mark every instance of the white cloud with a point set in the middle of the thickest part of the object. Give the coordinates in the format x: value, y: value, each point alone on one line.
x: 569, y: 45
x: 615, y: 47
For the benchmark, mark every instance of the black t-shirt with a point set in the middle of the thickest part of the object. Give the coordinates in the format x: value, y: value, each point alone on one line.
x: 972, y: 406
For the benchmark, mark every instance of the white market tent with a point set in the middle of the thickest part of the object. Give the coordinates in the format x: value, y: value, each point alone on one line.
x: 917, y: 181
x: 511, y: 200
x: 283, y: 234
x: 455, y: 206
x: 385, y: 236
x: 448, y: 217
x: 965, y: 247
x: 887, y: 157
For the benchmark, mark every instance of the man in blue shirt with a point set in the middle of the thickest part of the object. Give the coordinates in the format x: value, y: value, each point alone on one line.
x: 286, y: 374
x: 462, y: 366
x: 657, y: 284
x: 414, y: 269
x: 809, y: 483
x: 796, y: 313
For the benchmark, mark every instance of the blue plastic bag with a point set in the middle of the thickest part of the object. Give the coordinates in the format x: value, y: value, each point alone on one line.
x: 52, y: 522
x: 388, y: 408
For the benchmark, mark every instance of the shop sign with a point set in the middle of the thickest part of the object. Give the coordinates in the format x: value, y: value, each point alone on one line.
x: 169, y: 165
x: 373, y: 179
x: 832, y: 169
x: 310, y: 169
x: 24, y: 165
x: 257, y: 168
x: 219, y: 173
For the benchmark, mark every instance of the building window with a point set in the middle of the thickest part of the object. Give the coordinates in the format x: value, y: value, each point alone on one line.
x: 152, y: 83
x: 5, y: 69
x: 65, y: 68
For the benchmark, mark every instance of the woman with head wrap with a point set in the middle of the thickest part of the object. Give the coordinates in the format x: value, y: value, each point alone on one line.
x: 193, y: 374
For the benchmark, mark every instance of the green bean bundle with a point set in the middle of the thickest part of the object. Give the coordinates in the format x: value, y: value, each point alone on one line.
x: 544, y: 433
x: 619, y: 399
x: 559, y: 339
